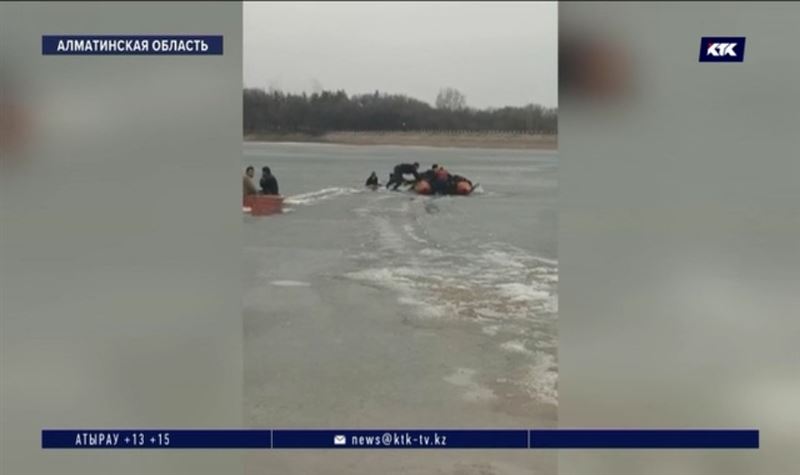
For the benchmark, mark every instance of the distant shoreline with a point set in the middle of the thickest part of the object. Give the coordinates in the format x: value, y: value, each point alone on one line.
x: 500, y: 140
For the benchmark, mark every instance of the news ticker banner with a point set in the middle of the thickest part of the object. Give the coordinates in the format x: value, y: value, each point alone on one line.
x: 131, y: 45
x: 400, y: 439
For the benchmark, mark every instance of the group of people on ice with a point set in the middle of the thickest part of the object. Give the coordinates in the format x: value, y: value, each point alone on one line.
x: 434, y: 181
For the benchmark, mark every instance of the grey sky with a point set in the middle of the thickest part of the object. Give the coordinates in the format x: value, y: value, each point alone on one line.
x: 496, y: 53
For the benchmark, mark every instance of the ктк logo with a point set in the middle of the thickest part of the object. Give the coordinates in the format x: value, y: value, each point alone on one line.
x: 722, y: 49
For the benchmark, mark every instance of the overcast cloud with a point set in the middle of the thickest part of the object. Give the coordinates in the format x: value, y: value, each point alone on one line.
x: 496, y: 53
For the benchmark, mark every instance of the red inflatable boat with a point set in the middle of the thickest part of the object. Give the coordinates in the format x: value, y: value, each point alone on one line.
x: 423, y: 187
x: 262, y: 205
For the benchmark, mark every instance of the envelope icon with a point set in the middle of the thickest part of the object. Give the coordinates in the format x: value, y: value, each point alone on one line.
x: 339, y: 440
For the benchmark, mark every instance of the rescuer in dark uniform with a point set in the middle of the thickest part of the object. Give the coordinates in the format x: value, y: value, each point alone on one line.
x: 397, y: 178
x: 441, y: 182
x: 429, y: 174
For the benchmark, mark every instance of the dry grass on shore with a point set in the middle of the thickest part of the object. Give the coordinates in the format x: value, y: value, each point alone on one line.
x: 508, y: 140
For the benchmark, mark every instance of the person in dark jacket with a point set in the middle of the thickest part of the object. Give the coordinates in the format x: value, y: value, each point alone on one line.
x: 372, y: 181
x: 441, y: 183
x: 429, y: 174
x: 398, y: 177
x: 269, y: 184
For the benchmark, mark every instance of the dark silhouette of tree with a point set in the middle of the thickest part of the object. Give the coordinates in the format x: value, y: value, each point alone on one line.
x: 450, y: 98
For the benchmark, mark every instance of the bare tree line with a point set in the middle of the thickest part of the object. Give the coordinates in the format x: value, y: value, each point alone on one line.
x: 327, y: 111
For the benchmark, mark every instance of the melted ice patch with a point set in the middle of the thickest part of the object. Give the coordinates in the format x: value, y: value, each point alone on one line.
x: 473, y: 391
x: 515, y: 346
x: 519, y: 292
x: 409, y: 229
x: 320, y: 195
x: 508, y: 292
x: 289, y: 283
x: 540, y: 382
